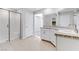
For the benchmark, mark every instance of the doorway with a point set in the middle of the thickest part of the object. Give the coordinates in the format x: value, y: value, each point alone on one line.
x: 38, y: 23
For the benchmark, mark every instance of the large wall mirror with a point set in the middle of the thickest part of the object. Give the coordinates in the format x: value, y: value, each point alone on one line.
x: 50, y: 20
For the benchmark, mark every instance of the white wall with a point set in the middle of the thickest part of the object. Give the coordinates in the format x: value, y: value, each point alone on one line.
x: 64, y: 20
x: 50, y: 11
x: 26, y: 23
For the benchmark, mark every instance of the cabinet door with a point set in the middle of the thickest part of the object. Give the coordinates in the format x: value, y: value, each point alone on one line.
x: 45, y: 34
x: 67, y: 43
x: 52, y: 36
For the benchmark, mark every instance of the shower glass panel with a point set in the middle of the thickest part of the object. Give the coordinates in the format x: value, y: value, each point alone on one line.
x: 4, y: 34
x: 14, y: 25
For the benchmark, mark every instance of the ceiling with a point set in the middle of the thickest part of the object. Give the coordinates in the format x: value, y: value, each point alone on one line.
x: 29, y: 9
x: 70, y: 9
x: 34, y: 9
x: 45, y: 10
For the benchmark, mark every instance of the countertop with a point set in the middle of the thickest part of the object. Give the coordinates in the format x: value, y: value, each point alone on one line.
x: 65, y: 33
x: 75, y: 35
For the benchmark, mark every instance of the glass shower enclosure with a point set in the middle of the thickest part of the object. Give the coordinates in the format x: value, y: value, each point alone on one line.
x: 4, y: 25
x: 9, y: 25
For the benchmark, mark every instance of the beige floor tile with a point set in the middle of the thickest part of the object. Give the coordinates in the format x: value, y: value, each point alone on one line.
x: 28, y: 44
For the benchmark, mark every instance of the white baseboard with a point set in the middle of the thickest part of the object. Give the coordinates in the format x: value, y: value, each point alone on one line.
x: 37, y: 36
x: 3, y: 41
x: 27, y: 36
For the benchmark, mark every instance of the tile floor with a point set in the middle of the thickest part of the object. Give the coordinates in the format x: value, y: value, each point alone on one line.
x: 28, y: 44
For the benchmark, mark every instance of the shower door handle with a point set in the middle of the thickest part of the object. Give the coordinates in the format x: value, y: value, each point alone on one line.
x: 7, y: 26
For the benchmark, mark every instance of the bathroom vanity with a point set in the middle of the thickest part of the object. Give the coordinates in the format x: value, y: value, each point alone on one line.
x: 67, y: 41
x: 48, y: 34
x: 66, y: 20
x: 48, y: 30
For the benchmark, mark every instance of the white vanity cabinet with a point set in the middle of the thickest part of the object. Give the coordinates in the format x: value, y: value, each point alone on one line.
x: 49, y: 35
x: 67, y: 43
x: 45, y: 34
x: 52, y: 36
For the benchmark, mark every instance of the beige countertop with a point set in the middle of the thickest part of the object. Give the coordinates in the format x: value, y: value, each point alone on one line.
x: 65, y: 33
x: 75, y: 35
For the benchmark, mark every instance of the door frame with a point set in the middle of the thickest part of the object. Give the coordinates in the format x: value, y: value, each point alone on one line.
x: 34, y: 22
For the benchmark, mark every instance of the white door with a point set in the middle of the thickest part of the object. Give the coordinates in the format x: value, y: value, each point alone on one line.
x: 4, y: 25
x: 14, y: 26
x: 52, y: 36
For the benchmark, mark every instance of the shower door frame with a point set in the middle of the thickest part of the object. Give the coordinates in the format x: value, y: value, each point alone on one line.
x: 9, y: 24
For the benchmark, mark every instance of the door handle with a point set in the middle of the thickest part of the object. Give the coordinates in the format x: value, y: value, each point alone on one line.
x: 7, y: 26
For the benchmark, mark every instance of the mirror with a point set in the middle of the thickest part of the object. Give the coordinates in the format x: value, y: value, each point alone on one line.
x: 50, y: 20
